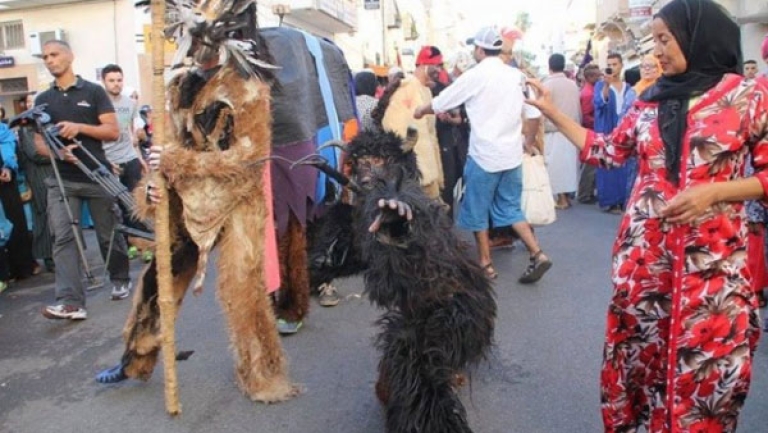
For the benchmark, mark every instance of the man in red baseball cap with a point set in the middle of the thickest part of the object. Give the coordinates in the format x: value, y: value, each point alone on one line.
x: 431, y: 56
x: 395, y: 113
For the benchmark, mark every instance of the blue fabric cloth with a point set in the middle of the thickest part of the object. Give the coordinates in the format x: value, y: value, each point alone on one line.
x: 86, y: 221
x: 8, y: 148
x: 333, y: 130
x: 497, y: 194
x: 612, y: 185
x: 6, y: 227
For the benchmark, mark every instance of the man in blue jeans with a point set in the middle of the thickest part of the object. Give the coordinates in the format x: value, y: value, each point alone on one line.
x: 493, y: 95
x: 83, y: 113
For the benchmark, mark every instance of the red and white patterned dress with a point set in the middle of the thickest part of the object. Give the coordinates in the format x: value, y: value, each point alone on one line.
x: 682, y: 292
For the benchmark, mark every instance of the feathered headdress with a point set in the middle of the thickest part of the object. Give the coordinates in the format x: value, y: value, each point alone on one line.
x: 225, y: 29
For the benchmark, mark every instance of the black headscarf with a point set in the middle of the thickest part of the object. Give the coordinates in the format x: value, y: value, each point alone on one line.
x: 711, y: 43
x: 365, y: 83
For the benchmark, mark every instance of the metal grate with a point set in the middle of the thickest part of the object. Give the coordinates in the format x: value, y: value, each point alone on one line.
x: 11, y: 35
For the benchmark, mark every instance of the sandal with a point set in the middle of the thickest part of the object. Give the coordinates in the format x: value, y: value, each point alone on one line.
x: 536, y: 268
x: 490, y: 272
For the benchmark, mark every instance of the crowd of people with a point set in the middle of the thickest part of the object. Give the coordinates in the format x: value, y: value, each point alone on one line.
x: 681, y: 154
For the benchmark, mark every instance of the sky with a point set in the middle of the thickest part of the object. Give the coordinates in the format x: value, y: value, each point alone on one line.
x: 544, y: 14
x: 547, y: 17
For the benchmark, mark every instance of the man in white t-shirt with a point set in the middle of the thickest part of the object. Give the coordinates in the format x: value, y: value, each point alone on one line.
x: 123, y: 153
x: 493, y: 95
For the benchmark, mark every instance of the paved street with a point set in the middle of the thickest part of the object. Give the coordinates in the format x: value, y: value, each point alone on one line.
x: 541, y: 378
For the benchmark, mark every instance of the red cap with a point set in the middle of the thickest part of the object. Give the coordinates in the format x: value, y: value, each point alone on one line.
x: 429, y: 55
x: 511, y: 33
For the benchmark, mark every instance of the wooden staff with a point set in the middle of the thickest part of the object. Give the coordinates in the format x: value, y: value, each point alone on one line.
x: 166, y: 299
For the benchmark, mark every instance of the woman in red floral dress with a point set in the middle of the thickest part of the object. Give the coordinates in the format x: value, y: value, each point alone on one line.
x: 682, y: 323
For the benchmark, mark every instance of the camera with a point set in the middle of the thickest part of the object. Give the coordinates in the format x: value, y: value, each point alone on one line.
x: 608, y: 71
x: 30, y: 117
x: 528, y: 91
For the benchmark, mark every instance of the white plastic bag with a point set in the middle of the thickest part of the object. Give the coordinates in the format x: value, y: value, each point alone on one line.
x: 537, y: 202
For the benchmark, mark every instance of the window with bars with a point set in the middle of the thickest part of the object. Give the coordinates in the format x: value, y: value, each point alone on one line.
x: 11, y: 35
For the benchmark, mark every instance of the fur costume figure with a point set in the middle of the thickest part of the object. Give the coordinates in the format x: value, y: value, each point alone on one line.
x: 334, y: 250
x: 214, y: 164
x: 439, y: 305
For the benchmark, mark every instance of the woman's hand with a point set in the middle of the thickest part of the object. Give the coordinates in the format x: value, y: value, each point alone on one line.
x: 690, y: 204
x: 543, y: 98
x: 5, y: 175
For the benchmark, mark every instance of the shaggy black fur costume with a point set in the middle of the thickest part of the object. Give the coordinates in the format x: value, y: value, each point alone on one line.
x: 334, y: 250
x: 440, y: 308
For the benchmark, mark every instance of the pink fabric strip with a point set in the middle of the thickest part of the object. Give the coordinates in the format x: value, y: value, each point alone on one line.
x: 271, y: 258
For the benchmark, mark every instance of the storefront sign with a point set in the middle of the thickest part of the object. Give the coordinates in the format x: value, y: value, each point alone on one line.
x: 7, y: 62
x: 371, y: 4
x: 640, y: 10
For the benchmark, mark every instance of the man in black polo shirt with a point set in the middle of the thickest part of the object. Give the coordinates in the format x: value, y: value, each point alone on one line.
x: 83, y: 113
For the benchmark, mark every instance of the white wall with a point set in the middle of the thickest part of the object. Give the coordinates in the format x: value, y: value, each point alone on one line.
x: 91, y: 28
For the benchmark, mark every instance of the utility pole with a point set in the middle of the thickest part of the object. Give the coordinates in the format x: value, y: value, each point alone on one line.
x: 384, y: 54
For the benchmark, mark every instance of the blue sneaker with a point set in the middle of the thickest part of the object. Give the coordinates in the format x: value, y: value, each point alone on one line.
x: 112, y: 375
x: 285, y: 327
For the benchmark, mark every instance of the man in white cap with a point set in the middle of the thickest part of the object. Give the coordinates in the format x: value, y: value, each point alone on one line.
x: 495, y: 104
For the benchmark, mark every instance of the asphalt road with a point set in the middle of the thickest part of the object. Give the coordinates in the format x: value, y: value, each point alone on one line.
x: 541, y: 378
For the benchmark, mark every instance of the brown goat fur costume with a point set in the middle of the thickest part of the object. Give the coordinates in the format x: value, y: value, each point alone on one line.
x: 214, y: 164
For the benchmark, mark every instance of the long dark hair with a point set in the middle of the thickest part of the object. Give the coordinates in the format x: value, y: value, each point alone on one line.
x: 381, y: 108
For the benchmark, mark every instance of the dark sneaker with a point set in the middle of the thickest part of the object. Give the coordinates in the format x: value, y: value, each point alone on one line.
x: 65, y: 312
x: 121, y: 292
x: 329, y: 296
x: 49, y: 265
x: 536, y: 269
x: 285, y: 327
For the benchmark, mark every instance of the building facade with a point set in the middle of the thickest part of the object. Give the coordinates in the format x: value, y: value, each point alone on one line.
x: 99, y: 31
x: 370, y: 32
x: 620, y: 29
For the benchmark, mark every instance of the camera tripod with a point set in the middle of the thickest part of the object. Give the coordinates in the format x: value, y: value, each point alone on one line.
x: 37, y: 118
